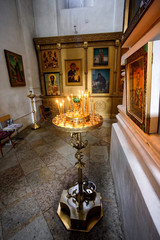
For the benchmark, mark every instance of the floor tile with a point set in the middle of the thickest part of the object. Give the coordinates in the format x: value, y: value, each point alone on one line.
x: 59, y: 168
x: 48, y: 194
x: 39, y: 177
x: 91, y: 139
x: 33, y: 136
x: 10, y: 175
x: 25, y: 155
x: 98, y: 153
x: 8, y: 161
x: 13, y: 192
x: 31, y: 165
x: 57, y: 228
x: 44, y: 149
x: 37, y: 143
x: 59, y: 143
x: 51, y: 138
x: 36, y: 230
x: 16, y: 216
x: 1, y: 238
x: 51, y: 157
x: 6, y: 149
x: 66, y: 150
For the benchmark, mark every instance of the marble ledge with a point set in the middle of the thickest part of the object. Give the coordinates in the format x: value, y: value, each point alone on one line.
x: 147, y: 146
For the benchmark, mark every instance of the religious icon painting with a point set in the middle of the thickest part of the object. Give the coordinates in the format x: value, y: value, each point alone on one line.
x: 137, y: 67
x: 100, y: 57
x: 52, y: 83
x: 50, y: 60
x: 100, y: 81
x: 15, y: 69
x: 73, y: 72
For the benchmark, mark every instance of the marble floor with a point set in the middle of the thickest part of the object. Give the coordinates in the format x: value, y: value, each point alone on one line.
x: 33, y: 175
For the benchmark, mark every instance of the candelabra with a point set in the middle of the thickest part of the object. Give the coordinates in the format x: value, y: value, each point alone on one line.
x: 80, y: 206
x: 35, y: 124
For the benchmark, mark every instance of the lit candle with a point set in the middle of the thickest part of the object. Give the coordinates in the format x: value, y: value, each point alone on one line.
x: 58, y: 105
x: 61, y: 110
x: 82, y: 103
x: 91, y: 106
x: 68, y: 107
x: 87, y: 103
x: 62, y: 106
x: 82, y: 93
x: 93, y: 109
x: 72, y: 101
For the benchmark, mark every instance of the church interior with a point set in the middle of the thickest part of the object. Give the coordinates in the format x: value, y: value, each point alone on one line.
x: 80, y: 119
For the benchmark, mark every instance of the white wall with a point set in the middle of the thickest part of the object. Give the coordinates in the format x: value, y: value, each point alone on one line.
x: 52, y: 19
x: 45, y: 14
x: 17, y: 32
x: 155, y: 88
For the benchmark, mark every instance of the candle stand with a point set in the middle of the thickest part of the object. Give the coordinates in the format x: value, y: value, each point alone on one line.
x: 80, y: 207
x: 35, y: 124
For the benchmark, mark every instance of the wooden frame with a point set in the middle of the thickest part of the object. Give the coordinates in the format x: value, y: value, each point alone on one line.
x: 100, y: 81
x: 138, y: 87
x: 130, y: 24
x: 73, y: 72
x: 15, y: 69
x: 52, y: 83
x: 100, y: 56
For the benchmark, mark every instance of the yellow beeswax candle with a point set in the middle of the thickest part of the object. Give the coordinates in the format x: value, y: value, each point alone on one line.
x: 58, y: 105
x: 93, y: 109
x: 62, y: 106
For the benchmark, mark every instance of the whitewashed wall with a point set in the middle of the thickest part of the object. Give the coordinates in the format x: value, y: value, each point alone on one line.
x: 52, y: 19
x: 45, y: 14
x: 17, y: 31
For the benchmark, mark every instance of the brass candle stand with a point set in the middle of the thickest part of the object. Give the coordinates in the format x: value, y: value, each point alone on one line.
x: 35, y: 124
x: 80, y: 206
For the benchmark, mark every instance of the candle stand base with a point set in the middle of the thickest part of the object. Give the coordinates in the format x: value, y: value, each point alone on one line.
x: 35, y: 126
x: 79, y: 217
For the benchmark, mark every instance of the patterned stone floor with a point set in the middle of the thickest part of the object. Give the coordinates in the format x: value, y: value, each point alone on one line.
x: 33, y: 175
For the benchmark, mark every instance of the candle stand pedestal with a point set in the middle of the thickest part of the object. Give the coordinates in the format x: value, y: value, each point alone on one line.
x: 80, y: 207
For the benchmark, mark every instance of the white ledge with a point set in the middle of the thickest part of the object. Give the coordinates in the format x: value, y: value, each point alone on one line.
x: 147, y: 146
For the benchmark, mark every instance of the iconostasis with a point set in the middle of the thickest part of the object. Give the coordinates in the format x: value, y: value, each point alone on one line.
x: 88, y: 63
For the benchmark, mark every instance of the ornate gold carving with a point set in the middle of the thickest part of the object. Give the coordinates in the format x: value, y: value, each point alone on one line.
x: 117, y: 43
x: 85, y: 44
x: 79, y: 38
x: 59, y: 46
x: 38, y: 47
